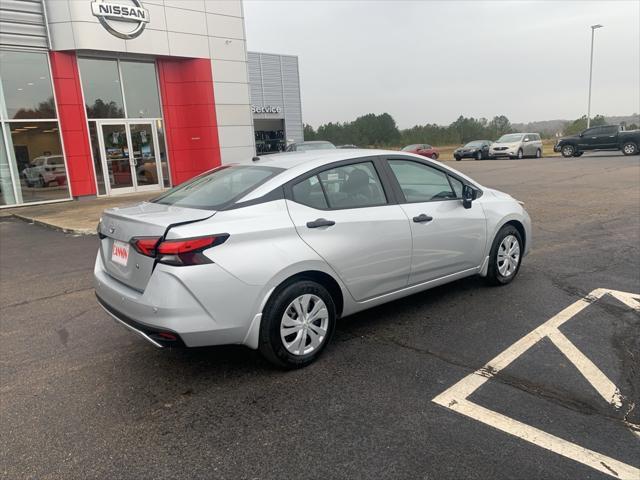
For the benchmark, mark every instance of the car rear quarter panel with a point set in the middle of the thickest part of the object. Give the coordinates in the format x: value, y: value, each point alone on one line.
x: 263, y: 248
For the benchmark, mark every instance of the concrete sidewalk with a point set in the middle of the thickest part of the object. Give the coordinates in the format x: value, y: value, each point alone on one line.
x: 75, y: 216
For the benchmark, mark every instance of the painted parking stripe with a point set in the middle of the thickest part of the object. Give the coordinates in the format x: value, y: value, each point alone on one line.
x: 455, y: 398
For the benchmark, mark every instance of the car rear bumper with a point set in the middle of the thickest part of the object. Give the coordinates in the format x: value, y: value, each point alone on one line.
x: 192, y: 306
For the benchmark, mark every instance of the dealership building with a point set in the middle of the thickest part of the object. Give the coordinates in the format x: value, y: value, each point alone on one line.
x: 103, y: 97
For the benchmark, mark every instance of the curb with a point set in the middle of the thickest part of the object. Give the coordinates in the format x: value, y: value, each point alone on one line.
x: 51, y: 226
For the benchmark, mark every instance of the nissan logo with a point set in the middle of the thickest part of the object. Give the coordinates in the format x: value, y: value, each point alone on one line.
x: 115, y: 16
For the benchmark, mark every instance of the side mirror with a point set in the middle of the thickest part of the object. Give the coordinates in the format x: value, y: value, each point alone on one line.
x: 468, y: 196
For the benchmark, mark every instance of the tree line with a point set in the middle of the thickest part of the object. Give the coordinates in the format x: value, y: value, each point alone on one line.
x: 382, y: 131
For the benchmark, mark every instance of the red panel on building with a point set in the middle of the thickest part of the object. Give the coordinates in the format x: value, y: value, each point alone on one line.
x: 186, y: 88
x: 73, y: 123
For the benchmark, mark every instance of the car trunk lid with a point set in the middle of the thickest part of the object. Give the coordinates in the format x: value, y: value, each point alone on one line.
x: 119, y: 225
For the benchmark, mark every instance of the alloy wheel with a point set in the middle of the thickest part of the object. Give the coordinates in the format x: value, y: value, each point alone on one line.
x: 629, y: 149
x: 508, y: 256
x: 304, y: 324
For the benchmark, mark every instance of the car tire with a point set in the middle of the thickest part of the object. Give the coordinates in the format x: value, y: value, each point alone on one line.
x: 499, y: 272
x: 479, y: 155
x: 457, y: 158
x: 41, y: 182
x: 568, y: 151
x: 538, y: 153
x: 282, y: 313
x: 434, y: 156
x: 629, y: 148
x: 520, y: 154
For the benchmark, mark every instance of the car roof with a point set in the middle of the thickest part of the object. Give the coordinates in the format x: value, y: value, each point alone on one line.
x: 299, y: 163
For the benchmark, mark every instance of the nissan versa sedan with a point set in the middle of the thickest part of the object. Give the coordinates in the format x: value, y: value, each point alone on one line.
x: 270, y: 254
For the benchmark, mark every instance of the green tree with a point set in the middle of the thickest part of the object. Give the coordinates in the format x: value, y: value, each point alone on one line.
x: 308, y: 132
x: 580, y: 124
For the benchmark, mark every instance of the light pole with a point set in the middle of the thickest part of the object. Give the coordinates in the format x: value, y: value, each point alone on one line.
x: 593, y: 31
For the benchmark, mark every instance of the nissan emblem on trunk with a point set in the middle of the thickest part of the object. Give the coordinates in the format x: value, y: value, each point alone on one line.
x: 115, y: 17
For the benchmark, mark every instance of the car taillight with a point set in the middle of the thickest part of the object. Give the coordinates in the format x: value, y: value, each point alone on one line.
x: 146, y: 245
x: 178, y: 252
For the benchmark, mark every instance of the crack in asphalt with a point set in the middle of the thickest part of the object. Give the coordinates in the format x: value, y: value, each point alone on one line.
x: 537, y: 391
x: 48, y: 297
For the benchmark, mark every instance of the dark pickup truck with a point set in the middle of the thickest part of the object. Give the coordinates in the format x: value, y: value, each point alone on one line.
x: 605, y: 137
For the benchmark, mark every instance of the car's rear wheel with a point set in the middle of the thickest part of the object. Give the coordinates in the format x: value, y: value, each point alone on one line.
x: 479, y: 155
x: 520, y: 154
x: 629, y: 148
x: 568, y: 151
x: 297, y: 323
x: 506, y: 256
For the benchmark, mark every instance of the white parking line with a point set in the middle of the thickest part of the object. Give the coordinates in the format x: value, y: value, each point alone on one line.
x: 455, y: 398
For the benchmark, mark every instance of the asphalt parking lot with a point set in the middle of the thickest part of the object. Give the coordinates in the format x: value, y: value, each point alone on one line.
x: 80, y: 397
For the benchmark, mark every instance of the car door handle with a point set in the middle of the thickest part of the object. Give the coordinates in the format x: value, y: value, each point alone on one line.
x: 320, y: 222
x: 422, y: 218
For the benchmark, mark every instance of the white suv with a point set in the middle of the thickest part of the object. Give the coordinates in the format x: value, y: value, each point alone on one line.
x: 517, y: 145
x: 44, y: 170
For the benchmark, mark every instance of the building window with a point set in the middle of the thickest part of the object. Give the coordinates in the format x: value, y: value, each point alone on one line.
x: 101, y: 88
x: 26, y: 85
x: 140, y: 89
x: 32, y: 162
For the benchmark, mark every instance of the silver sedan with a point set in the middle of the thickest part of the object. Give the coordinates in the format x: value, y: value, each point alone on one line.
x: 270, y: 254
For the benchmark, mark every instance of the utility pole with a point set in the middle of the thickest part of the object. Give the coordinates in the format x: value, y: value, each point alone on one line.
x: 593, y: 31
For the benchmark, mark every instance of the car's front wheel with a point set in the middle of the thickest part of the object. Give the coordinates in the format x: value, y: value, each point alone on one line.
x: 568, y: 151
x: 479, y: 155
x: 297, y: 323
x: 506, y: 256
x: 520, y: 154
x: 457, y: 158
x: 538, y: 153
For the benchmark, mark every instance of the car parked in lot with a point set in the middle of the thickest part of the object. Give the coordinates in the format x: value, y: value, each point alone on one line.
x: 270, y: 254
x: 517, y: 145
x: 604, y: 137
x: 478, y: 149
x: 313, y: 145
x: 423, y: 149
x: 44, y: 170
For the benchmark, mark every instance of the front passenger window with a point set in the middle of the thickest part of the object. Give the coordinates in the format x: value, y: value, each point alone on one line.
x: 421, y: 183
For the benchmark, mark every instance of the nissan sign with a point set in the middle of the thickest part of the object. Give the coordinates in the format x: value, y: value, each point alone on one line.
x: 116, y: 17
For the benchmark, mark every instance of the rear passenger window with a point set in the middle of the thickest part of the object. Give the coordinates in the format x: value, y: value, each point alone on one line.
x: 421, y: 183
x: 353, y: 186
x: 309, y: 192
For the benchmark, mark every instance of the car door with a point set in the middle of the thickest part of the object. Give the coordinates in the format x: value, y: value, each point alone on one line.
x: 607, y: 137
x: 447, y: 238
x: 344, y: 213
x: 529, y: 143
x: 585, y: 140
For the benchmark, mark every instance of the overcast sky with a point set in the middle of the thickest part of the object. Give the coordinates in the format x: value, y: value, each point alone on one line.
x: 430, y: 61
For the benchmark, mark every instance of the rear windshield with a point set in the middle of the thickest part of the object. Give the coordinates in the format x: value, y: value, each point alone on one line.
x: 218, y: 188
x: 303, y: 147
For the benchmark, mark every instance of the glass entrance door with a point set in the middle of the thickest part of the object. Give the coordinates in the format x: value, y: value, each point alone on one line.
x: 128, y: 153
